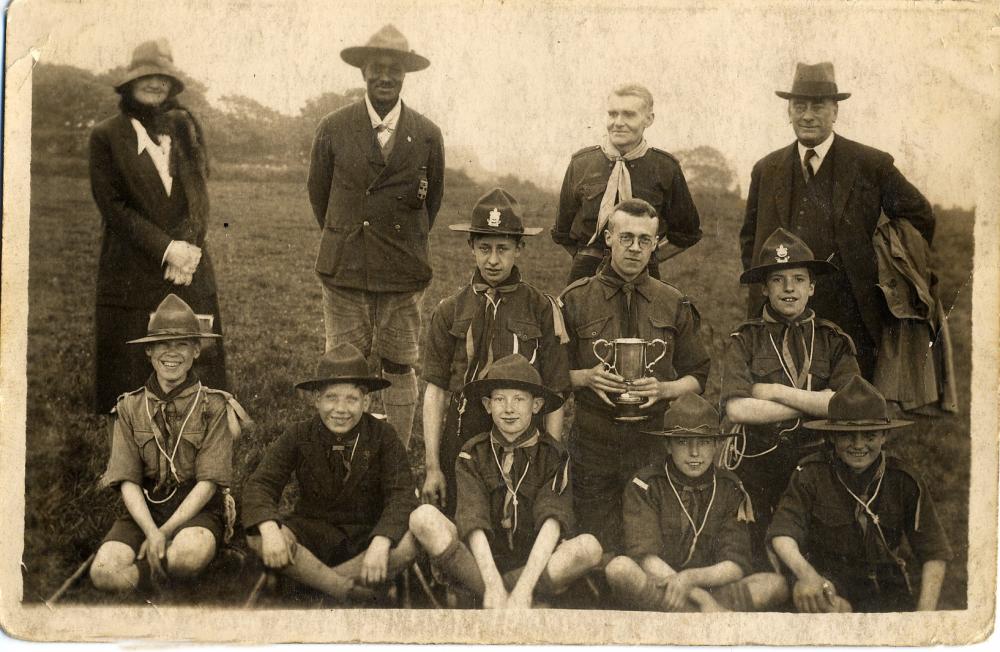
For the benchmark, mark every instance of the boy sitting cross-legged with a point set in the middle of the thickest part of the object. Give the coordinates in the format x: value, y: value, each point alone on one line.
x: 514, y: 499
x: 686, y: 526
x: 355, y: 488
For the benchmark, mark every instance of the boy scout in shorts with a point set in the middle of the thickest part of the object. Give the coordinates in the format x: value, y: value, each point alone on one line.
x: 348, y: 526
x: 171, y: 453
x: 777, y: 369
x: 686, y: 531
x: 495, y: 315
x: 514, y: 499
x: 841, y: 522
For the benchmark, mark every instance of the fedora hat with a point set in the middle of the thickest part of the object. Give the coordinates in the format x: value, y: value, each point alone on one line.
x: 387, y: 40
x: 689, y: 415
x: 496, y: 213
x: 174, y: 320
x: 514, y: 372
x: 857, y: 406
x: 813, y: 81
x: 152, y: 58
x: 784, y: 250
x: 344, y: 363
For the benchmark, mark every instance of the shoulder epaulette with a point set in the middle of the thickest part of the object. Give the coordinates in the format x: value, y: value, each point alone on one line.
x: 585, y: 150
x: 815, y: 458
x: 826, y: 323
x: 745, y: 512
x: 575, y: 284
x: 476, y: 440
x: 236, y: 416
x: 666, y: 153
x: 114, y: 410
x: 758, y: 321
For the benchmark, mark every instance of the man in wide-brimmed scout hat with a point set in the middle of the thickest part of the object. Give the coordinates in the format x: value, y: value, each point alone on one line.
x: 496, y: 314
x: 171, y: 458
x: 388, y: 161
x: 514, y: 499
x: 702, y: 565
x: 842, y: 520
x: 830, y: 191
x: 348, y: 528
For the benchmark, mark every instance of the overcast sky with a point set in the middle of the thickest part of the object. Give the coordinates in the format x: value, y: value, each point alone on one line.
x: 522, y: 84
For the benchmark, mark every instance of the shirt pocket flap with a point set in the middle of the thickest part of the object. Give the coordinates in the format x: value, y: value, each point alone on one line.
x: 833, y: 515
x: 524, y: 329
x: 765, y: 366
x: 195, y: 436
x: 460, y: 327
x: 593, y: 329
x: 142, y: 437
x: 593, y: 191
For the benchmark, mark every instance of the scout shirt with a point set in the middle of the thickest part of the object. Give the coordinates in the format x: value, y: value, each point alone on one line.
x: 656, y: 178
x: 539, y: 478
x: 592, y: 310
x: 364, y: 487
x: 655, y: 523
x: 841, y: 540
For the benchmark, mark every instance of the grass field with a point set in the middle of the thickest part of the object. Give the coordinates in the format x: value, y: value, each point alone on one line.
x: 263, y: 240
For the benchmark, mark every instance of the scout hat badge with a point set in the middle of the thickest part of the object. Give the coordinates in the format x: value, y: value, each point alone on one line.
x: 174, y: 320
x: 152, y: 58
x: 344, y: 363
x: 496, y: 213
x: 689, y: 415
x: 813, y: 82
x: 857, y: 406
x: 390, y: 41
x: 513, y: 372
x: 783, y: 250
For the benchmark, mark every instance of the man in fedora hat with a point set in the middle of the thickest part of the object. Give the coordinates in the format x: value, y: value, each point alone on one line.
x: 841, y: 523
x: 702, y: 564
x: 171, y: 459
x: 624, y: 301
x: 375, y: 184
x: 623, y: 166
x: 514, y: 499
x: 348, y: 526
x: 496, y: 314
x: 830, y: 191
x: 778, y: 368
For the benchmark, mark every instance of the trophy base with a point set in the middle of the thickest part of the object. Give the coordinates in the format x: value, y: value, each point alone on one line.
x: 629, y: 412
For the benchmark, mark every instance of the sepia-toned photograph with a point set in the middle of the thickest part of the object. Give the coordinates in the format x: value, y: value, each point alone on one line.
x: 500, y: 322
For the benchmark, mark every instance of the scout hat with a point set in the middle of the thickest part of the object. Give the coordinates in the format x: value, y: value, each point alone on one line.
x: 173, y: 320
x: 784, y: 250
x: 343, y: 364
x: 813, y: 81
x: 152, y: 58
x: 857, y: 406
x: 496, y: 213
x: 387, y: 40
x: 689, y: 415
x: 514, y: 372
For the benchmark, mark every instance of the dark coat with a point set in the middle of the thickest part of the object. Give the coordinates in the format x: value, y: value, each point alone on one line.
x: 375, y: 226
x: 865, y: 183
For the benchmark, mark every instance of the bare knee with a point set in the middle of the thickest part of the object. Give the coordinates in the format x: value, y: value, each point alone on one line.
x: 425, y: 520
x: 113, y: 568
x: 190, y: 552
x: 589, y: 550
x: 619, y: 570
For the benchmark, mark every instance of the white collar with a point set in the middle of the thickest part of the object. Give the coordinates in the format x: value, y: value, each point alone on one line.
x: 820, y: 150
x: 144, y: 142
x: 390, y: 119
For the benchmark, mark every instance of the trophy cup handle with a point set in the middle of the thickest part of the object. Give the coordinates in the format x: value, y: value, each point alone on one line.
x: 649, y: 366
x: 608, y: 348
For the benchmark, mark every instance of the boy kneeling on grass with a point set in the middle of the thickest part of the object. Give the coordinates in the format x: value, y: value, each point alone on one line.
x: 841, y: 522
x: 171, y: 451
x: 356, y: 492
x: 686, y: 525
x: 514, y: 499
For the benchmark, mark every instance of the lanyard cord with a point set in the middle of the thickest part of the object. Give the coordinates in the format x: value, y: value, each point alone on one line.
x: 807, y: 362
x: 511, y: 490
x: 170, y: 457
x: 695, y: 529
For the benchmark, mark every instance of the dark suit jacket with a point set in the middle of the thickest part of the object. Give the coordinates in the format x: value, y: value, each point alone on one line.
x: 865, y: 184
x: 139, y: 221
x: 375, y: 228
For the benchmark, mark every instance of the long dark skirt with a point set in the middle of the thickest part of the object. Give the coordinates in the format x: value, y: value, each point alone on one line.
x: 121, y: 367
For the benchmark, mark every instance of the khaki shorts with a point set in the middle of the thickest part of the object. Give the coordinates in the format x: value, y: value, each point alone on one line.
x: 386, y: 324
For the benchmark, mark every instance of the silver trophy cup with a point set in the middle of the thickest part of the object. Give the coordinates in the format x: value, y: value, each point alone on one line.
x: 628, y: 357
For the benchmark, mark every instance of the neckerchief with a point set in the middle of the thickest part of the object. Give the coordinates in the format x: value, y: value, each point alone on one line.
x: 689, y: 499
x: 628, y: 304
x: 619, y: 186
x: 505, y: 465
x: 157, y: 409
x: 483, y: 329
x: 795, y: 355
x: 863, y: 488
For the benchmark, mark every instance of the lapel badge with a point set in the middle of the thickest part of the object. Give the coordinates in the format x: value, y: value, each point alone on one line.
x: 494, y: 218
x: 782, y: 254
x: 409, y: 139
x: 422, y: 190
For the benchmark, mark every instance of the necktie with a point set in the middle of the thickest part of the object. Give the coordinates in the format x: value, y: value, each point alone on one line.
x: 630, y: 311
x: 807, y: 164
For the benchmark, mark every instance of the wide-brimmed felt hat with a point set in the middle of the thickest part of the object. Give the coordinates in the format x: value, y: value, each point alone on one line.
x: 690, y: 415
x: 784, y: 250
x: 174, y: 320
x: 813, y: 81
x: 857, y: 405
x: 152, y: 58
x: 514, y: 372
x: 390, y: 41
x: 496, y: 213
x: 344, y: 363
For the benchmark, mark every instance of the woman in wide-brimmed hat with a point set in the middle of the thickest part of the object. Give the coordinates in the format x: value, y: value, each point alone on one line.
x: 148, y: 172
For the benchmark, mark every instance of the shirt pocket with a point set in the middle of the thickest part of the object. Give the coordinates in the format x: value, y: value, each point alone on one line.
x: 661, y: 329
x: 587, y: 335
x: 768, y: 369
x: 526, y: 336
x: 148, y: 451
x: 833, y: 529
